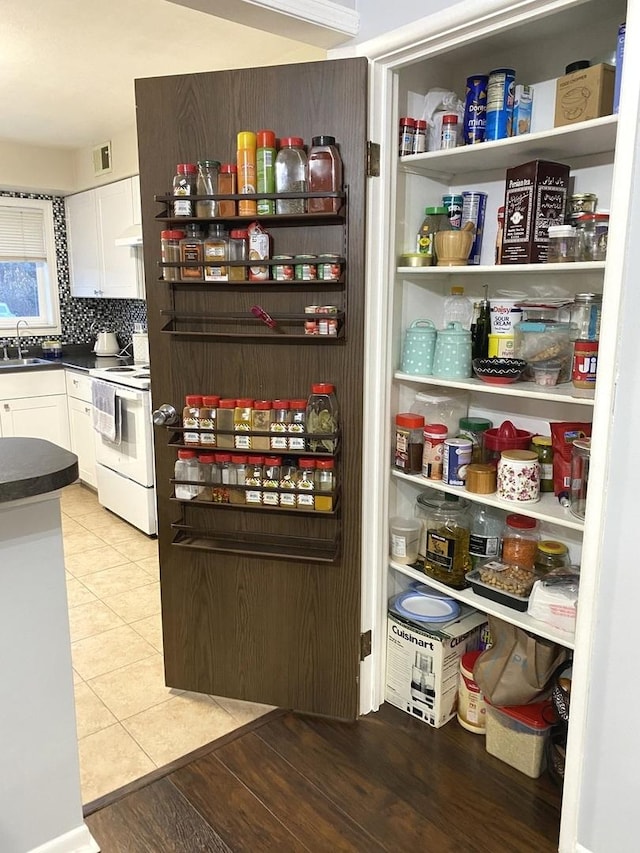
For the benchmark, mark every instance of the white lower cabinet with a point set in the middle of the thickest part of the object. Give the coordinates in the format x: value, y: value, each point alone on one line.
x: 34, y: 405
x: 81, y: 428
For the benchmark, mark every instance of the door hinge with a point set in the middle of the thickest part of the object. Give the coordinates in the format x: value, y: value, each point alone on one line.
x: 373, y: 160
x: 365, y: 645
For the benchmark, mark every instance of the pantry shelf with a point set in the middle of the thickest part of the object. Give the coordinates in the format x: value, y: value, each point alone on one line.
x: 528, y: 390
x: 597, y: 136
x: 492, y: 608
x: 246, y: 326
x: 262, y: 508
x: 548, y: 508
x: 580, y: 268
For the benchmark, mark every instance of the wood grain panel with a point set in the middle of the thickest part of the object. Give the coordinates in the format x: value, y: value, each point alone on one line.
x: 281, y: 632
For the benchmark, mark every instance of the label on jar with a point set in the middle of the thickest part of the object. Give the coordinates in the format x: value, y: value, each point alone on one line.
x: 398, y: 545
x: 440, y: 549
x: 484, y: 546
x: 456, y: 457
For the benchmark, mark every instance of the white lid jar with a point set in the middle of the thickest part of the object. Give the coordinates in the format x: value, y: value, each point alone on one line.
x: 519, y: 476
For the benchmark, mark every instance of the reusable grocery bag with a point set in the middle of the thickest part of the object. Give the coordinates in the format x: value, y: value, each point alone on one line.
x: 518, y: 668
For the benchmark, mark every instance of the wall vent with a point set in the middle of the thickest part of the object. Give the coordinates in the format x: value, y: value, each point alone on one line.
x: 102, y: 159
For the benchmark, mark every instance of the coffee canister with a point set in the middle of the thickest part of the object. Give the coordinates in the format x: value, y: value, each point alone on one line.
x: 418, y: 349
x: 519, y: 476
x: 452, y: 356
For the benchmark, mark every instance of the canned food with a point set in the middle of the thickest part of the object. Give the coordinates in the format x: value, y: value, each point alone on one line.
x: 305, y: 267
x: 329, y: 267
x: 327, y: 325
x: 500, y: 98
x: 583, y: 203
x: 283, y: 271
x: 456, y: 458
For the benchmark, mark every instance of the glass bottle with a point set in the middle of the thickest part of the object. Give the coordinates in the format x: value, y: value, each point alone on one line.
x: 447, y: 557
x: 288, y: 482
x: 279, y: 425
x: 482, y: 328
x: 225, y: 472
x: 242, y: 424
x: 499, y: 236
x: 192, y: 252
x: 253, y: 494
x: 186, y: 468
x: 457, y: 308
x: 207, y: 184
x: 520, y: 541
x: 246, y: 160
x: 266, y: 170
x: 322, y: 417
x: 297, y: 426
x: 191, y: 419
x: 184, y: 185
x: 261, y: 418
x: 474, y: 429
x: 208, y: 413
x: 543, y: 446
x: 215, y: 250
x: 291, y: 174
x: 325, y: 174
x: 238, y: 477
x: 238, y: 251
x: 306, y: 483
x: 170, y: 253
x: 208, y: 475
x: 271, y: 480
x: 551, y: 555
x: 486, y: 525
x: 325, y: 485
x: 224, y: 422
x: 227, y: 185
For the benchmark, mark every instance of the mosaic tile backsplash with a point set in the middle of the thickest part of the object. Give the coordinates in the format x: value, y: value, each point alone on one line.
x: 80, y: 318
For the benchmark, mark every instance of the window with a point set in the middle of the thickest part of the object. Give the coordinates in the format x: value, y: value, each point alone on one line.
x: 28, y: 272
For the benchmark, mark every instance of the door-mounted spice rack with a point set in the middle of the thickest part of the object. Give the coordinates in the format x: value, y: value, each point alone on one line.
x: 315, y: 218
x: 330, y: 439
x: 230, y: 326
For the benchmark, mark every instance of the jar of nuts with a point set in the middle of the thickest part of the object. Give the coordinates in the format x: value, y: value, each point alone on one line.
x: 520, y: 541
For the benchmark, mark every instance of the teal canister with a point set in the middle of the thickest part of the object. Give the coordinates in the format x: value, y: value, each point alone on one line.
x: 452, y: 358
x: 418, y: 348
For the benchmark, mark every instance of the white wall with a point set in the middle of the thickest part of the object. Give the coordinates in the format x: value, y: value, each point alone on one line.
x: 32, y: 168
x: 379, y: 16
x: 124, y: 160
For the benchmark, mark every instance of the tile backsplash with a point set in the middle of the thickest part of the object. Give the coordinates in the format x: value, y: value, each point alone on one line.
x: 79, y: 318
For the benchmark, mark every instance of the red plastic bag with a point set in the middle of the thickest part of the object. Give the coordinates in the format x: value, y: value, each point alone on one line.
x: 563, y: 435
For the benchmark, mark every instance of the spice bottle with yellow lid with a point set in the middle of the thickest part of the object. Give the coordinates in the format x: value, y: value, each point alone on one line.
x: 551, y: 555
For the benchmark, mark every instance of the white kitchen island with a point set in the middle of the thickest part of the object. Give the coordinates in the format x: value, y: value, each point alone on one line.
x: 40, y: 799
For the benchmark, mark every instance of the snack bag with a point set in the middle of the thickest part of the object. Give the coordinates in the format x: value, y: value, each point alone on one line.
x: 563, y: 434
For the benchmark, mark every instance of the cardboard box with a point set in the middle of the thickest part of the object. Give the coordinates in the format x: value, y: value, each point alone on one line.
x: 423, y: 665
x: 535, y: 198
x: 584, y: 94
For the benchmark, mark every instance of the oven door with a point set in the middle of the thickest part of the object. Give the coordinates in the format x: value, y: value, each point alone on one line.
x: 132, y: 456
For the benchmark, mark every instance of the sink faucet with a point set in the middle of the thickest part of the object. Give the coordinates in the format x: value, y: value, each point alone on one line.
x: 18, y: 336
x: 5, y: 357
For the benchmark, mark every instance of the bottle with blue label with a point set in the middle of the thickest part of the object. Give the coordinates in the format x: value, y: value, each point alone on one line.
x: 475, y: 109
x: 500, y: 98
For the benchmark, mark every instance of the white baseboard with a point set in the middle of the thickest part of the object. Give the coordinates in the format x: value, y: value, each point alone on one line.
x: 78, y: 840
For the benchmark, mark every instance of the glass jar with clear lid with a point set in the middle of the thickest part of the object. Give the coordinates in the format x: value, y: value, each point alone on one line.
x: 446, y: 538
x: 207, y: 184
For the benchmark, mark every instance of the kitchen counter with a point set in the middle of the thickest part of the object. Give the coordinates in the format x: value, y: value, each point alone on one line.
x: 80, y: 359
x: 31, y: 466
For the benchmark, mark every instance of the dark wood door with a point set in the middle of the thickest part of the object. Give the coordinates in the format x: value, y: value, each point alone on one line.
x: 264, y: 604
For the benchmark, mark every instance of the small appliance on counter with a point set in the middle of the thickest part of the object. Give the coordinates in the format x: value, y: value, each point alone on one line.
x: 106, y: 344
x: 140, y: 343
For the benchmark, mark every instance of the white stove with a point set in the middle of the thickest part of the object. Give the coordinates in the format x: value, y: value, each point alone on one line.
x: 131, y: 376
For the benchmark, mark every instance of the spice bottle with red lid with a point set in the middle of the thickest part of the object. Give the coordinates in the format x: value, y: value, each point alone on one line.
x: 170, y: 253
x: 409, y: 443
x: 184, y: 185
x: 227, y: 185
x: 520, y: 541
x: 449, y: 134
x: 322, y: 418
x: 191, y: 419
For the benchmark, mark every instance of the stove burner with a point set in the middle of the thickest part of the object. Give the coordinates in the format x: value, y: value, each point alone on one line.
x: 142, y: 376
x: 120, y: 369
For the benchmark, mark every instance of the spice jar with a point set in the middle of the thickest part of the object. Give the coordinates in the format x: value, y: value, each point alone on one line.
x: 208, y: 420
x: 208, y: 474
x: 288, y: 482
x: 261, y: 418
x: 474, y: 429
x: 238, y: 476
x: 447, y: 557
x: 238, y: 251
x: 520, y: 541
x: 271, y: 480
x: 207, y: 184
x: 322, y: 418
x: 449, y: 133
x: 542, y: 446
x: 242, y: 415
x: 325, y: 485
x: 170, y: 253
x: 191, y: 419
x: 224, y: 422
x: 406, y: 135
x: 409, y: 443
x: 551, y: 555
x: 227, y: 185
x: 519, y: 476
x: 433, y: 452
x: 184, y: 185
x: 306, y: 483
x: 279, y: 425
x: 253, y: 479
x: 225, y: 474
x: 296, y: 426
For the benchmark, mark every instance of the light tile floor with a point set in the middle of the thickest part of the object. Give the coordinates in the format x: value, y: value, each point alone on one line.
x: 129, y: 722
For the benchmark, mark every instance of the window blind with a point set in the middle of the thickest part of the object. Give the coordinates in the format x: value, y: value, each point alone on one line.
x: 22, y: 236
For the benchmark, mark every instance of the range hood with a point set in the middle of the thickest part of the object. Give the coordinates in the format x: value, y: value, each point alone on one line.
x: 131, y: 236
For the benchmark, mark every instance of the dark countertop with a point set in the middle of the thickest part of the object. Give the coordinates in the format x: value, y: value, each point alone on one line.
x: 32, y: 466
x: 76, y: 358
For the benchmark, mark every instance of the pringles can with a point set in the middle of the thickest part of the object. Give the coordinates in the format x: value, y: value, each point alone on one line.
x: 473, y: 209
x: 453, y: 203
x: 475, y: 109
x: 500, y: 99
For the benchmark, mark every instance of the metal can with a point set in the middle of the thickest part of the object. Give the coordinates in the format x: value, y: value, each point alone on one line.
x: 474, y: 205
x: 327, y: 325
x: 329, y: 267
x: 311, y: 325
x: 582, y: 203
x: 305, y: 267
x: 475, y: 109
x: 500, y: 98
x: 283, y: 271
x: 456, y: 458
x: 453, y: 203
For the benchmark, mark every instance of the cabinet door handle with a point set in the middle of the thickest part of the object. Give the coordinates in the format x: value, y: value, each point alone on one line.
x: 87, y: 410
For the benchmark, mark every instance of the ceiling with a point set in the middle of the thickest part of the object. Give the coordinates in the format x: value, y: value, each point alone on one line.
x: 68, y: 66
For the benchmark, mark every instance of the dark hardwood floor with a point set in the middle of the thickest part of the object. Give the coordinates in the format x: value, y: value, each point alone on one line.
x: 291, y: 782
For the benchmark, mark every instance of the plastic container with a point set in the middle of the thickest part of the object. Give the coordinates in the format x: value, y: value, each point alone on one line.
x: 184, y: 185
x: 562, y: 244
x: 291, y: 174
x: 548, y: 374
x: 170, y: 253
x: 505, y: 577
x: 485, y: 590
x: 227, y: 185
x: 325, y: 174
x: 444, y: 409
x: 518, y: 735
x: 545, y: 344
x: 520, y: 540
x: 471, y: 712
x: 186, y: 468
x: 215, y: 251
x: 435, y: 219
x: 504, y: 314
x: 504, y: 437
x: 322, y: 418
x: 404, y: 539
x: 238, y: 251
x: 458, y: 308
x: 409, y: 441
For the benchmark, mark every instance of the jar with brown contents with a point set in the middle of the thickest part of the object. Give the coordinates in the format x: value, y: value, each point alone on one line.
x: 520, y: 541
x: 447, y: 556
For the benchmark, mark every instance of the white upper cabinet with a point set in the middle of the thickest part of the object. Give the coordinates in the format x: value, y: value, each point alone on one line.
x: 95, y: 220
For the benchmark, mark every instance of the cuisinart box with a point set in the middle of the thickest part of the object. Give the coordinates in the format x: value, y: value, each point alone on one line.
x: 535, y: 197
x: 423, y: 665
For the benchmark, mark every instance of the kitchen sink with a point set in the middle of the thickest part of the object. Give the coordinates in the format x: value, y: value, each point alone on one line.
x: 7, y: 363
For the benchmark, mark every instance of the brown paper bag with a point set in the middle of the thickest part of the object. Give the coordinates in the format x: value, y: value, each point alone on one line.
x: 518, y: 667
